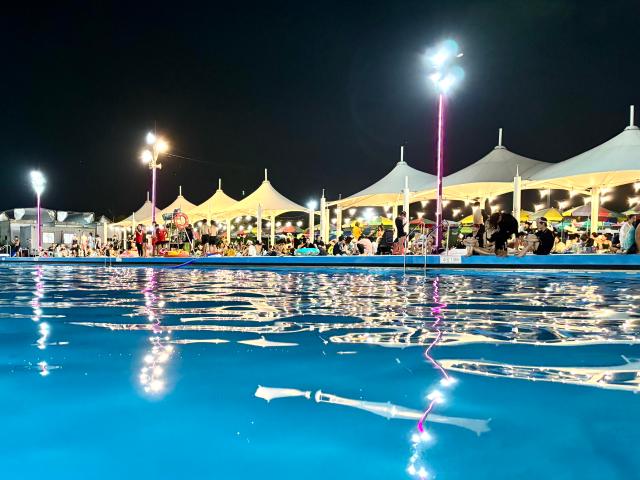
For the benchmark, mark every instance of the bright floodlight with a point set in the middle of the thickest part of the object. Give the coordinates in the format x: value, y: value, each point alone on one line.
x: 312, y: 205
x: 445, y: 74
x: 146, y: 156
x: 162, y: 146
x: 151, y: 138
x: 37, y: 181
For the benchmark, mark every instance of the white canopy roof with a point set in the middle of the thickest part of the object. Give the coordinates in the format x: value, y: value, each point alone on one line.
x: 180, y: 203
x: 492, y: 175
x: 218, y: 201
x: 388, y: 190
x: 615, y: 162
x: 142, y: 215
x: 271, y: 201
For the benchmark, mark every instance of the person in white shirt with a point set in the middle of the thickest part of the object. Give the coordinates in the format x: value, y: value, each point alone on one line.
x: 251, y: 249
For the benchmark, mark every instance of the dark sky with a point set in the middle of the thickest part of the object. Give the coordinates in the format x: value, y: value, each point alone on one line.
x: 320, y: 93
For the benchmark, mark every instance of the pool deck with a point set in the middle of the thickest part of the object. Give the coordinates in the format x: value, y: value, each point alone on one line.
x: 555, y: 262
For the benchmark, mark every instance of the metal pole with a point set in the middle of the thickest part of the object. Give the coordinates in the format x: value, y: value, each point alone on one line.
x: 39, y: 227
x: 440, y: 161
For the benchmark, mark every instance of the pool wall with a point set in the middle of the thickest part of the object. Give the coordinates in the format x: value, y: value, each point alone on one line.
x: 561, y: 262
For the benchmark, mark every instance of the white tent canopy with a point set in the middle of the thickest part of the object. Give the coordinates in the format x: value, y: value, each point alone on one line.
x: 268, y: 198
x: 492, y: 175
x: 217, y: 202
x: 388, y: 190
x: 142, y: 215
x: 615, y: 162
x: 180, y: 203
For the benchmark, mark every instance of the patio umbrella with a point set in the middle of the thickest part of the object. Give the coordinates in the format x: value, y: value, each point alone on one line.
x: 422, y: 221
x: 585, y: 211
x: 289, y: 229
x: 632, y: 211
x: 384, y: 221
x: 551, y: 214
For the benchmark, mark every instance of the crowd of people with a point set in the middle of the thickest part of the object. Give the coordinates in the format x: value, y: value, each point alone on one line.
x: 498, y: 234
x: 501, y: 235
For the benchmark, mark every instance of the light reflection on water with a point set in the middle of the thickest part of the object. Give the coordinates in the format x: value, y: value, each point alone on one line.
x: 177, y: 308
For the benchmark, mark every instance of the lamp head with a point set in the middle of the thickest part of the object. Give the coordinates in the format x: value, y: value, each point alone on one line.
x: 146, y: 156
x: 162, y: 146
x: 37, y: 181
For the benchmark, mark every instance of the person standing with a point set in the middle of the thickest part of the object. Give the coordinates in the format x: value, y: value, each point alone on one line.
x: 139, y: 240
x: 213, y: 234
x: 627, y: 234
x: 356, y: 232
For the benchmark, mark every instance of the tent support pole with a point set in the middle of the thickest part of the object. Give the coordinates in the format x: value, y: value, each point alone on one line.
x: 595, y: 208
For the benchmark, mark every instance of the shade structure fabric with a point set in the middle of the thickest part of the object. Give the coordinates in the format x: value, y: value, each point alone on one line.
x: 492, y: 175
x: 615, y: 162
x: 389, y: 189
x: 551, y: 214
x: 273, y: 203
x: 585, y: 211
x: 180, y: 203
x: 217, y: 202
x: 142, y: 215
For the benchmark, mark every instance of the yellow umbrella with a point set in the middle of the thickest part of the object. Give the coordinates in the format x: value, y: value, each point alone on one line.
x: 524, y: 216
x: 550, y: 214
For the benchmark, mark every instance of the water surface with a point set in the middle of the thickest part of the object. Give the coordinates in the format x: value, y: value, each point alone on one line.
x: 152, y: 373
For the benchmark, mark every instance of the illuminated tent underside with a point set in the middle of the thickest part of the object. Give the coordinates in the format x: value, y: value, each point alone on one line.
x: 271, y: 202
x: 613, y: 163
x: 490, y: 176
x: 389, y: 189
x: 219, y: 201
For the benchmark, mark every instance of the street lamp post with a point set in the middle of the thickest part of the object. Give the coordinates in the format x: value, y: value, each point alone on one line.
x: 38, y: 183
x: 445, y: 74
x: 150, y: 156
x: 312, y: 219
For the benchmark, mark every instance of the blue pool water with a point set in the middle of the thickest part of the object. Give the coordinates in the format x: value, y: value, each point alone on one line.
x: 140, y: 373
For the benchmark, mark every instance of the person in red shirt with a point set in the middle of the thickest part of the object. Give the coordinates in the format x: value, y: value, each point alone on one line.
x: 140, y: 239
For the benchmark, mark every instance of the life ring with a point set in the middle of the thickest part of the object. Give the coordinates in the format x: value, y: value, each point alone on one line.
x: 180, y: 220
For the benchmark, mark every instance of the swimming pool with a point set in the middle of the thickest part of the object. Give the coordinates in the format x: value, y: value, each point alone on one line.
x: 165, y: 373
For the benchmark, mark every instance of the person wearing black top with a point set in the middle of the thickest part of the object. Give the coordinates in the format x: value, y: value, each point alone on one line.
x: 545, y: 238
x: 400, y: 222
x: 544, y: 245
x: 505, y: 226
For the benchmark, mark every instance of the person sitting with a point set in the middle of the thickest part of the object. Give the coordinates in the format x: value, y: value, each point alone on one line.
x: 338, y: 248
x: 504, y: 227
x: 543, y: 243
x: 385, y: 243
x: 558, y: 245
x: 367, y: 246
x: 350, y: 246
x: 475, y: 242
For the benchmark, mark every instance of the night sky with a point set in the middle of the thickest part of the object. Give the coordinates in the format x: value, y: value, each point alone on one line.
x: 320, y: 93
